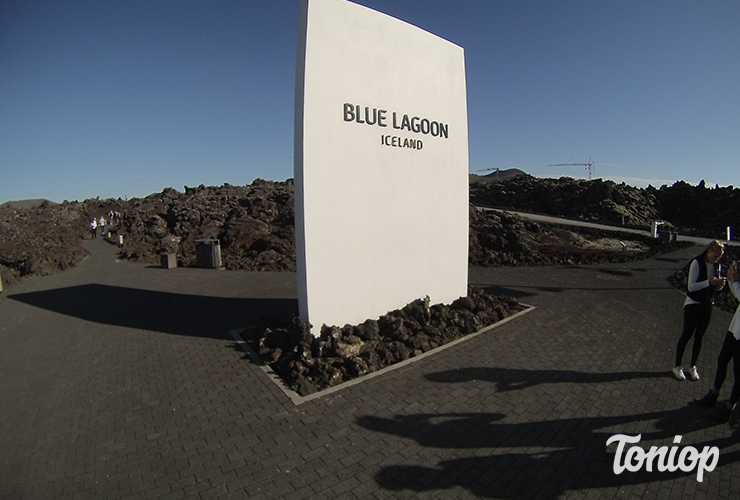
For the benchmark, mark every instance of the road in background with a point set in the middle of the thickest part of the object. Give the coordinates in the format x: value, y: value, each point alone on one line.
x: 570, y: 222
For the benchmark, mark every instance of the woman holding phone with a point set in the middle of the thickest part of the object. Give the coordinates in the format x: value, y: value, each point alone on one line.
x: 704, y: 280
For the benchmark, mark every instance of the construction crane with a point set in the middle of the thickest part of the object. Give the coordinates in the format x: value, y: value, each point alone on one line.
x: 589, y: 166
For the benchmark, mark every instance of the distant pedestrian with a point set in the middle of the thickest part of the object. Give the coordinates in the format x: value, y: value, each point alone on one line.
x: 93, y: 229
x: 730, y: 351
x: 101, y: 223
x: 704, y: 279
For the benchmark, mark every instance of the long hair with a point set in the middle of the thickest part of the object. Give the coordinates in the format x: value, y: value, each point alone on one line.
x: 713, y: 245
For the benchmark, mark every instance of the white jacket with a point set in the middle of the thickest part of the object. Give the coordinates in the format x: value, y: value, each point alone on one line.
x: 735, y: 323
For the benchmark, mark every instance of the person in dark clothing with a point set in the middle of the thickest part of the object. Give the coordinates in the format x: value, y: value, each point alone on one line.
x: 730, y: 352
x: 704, y: 280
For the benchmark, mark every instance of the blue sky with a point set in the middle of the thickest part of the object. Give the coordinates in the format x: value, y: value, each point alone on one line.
x: 125, y: 97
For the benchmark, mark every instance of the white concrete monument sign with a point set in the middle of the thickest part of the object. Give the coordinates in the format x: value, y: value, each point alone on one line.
x: 381, y: 165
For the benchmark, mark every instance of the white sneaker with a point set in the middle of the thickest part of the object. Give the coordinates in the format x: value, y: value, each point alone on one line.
x: 678, y: 373
x: 694, y: 373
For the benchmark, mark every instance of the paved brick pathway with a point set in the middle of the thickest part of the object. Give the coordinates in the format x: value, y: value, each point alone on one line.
x: 119, y: 380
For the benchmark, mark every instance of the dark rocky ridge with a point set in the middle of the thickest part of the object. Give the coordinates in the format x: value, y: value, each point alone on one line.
x: 595, y: 200
x: 47, y: 238
x: 255, y: 225
x: 695, y: 210
x: 33, y: 203
x: 505, y: 239
x: 39, y: 241
x: 496, y: 175
x: 256, y: 229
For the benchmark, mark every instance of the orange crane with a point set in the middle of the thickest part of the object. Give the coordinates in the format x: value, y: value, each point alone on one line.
x: 589, y: 165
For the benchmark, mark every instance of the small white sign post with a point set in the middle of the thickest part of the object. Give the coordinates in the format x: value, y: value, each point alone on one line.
x: 381, y: 165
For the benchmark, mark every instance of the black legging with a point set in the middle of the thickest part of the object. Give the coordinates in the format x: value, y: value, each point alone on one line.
x: 695, y: 322
x: 730, y: 351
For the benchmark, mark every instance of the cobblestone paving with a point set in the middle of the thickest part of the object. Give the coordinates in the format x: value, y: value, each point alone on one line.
x: 119, y: 380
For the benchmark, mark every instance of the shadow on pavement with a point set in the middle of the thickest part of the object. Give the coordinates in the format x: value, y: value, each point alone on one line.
x: 676, y: 260
x: 510, y: 379
x: 617, y: 272
x: 503, y: 290
x: 569, y: 453
x: 181, y: 314
x: 524, y: 291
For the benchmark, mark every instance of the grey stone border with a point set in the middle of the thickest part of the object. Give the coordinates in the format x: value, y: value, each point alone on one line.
x: 298, y: 399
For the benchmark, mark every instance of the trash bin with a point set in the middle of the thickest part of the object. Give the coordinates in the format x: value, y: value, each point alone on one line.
x: 664, y: 236
x: 169, y: 260
x: 208, y: 253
